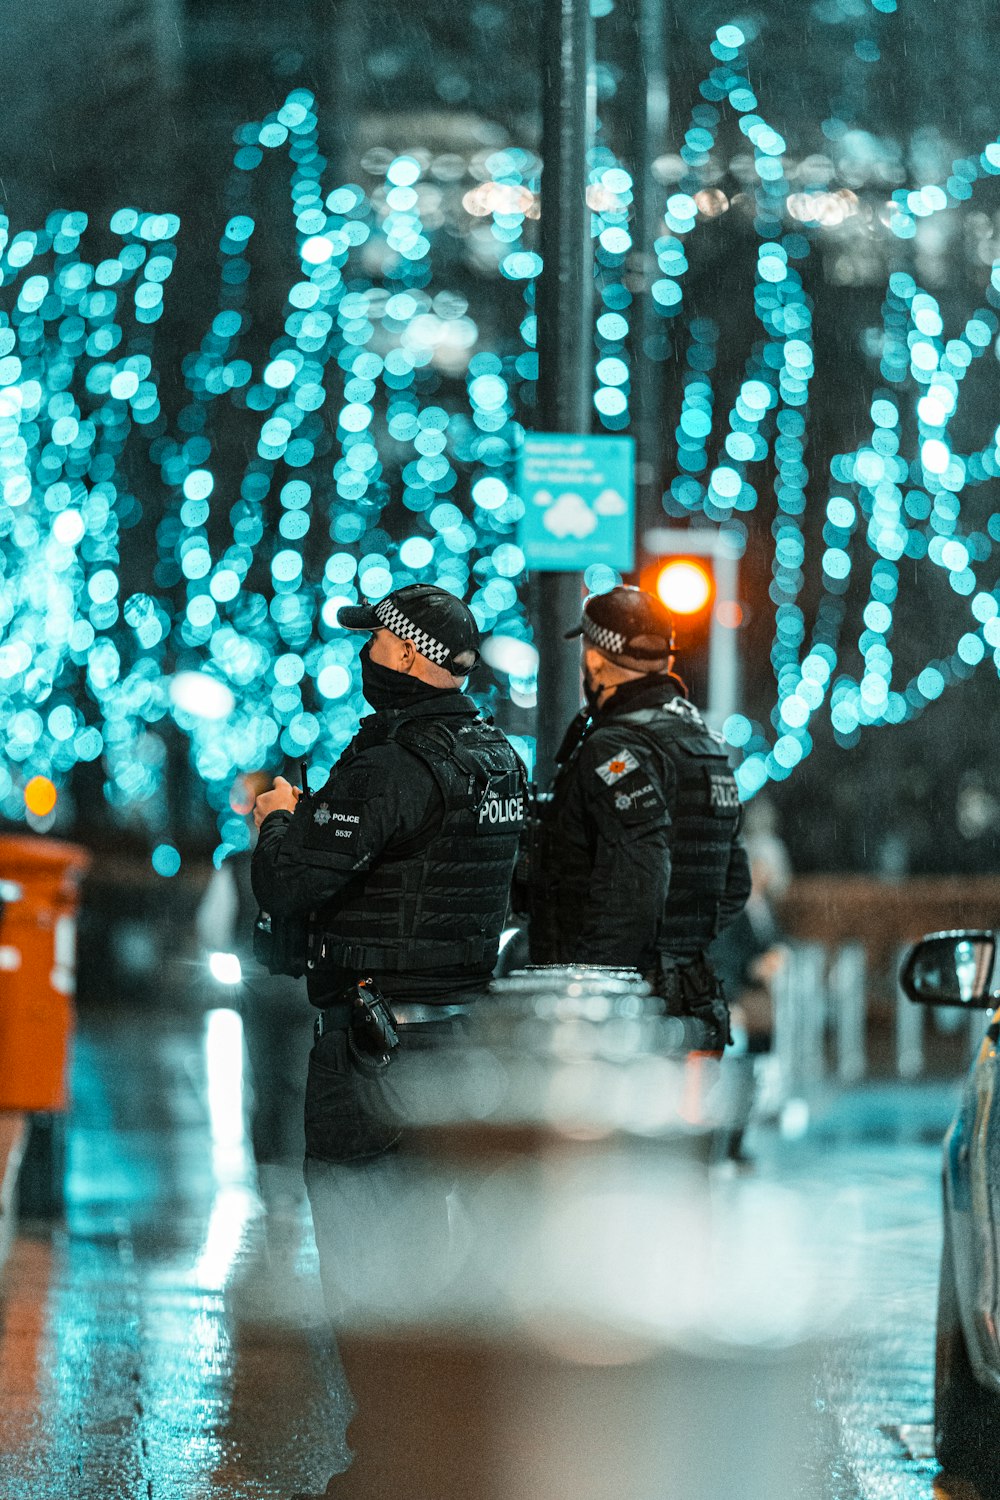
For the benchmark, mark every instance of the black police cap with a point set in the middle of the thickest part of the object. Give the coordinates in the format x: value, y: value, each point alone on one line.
x: 440, y: 626
x: 629, y: 627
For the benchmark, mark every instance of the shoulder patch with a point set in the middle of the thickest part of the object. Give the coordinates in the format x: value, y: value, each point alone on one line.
x: 335, y: 824
x: 618, y: 766
x: 638, y: 800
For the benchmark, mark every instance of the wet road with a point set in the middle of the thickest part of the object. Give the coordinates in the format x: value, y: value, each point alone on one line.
x: 878, y: 1150
x: 166, y: 1343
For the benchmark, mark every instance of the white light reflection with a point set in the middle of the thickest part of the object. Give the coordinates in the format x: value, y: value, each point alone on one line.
x: 224, y: 1087
x: 235, y: 1202
x: 232, y: 1211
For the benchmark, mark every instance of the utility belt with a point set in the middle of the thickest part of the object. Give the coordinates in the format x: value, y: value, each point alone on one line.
x: 373, y: 1026
x: 329, y: 951
x: 289, y: 945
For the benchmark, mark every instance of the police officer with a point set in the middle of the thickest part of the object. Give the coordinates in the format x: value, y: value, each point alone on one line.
x: 639, y: 859
x: 401, y: 867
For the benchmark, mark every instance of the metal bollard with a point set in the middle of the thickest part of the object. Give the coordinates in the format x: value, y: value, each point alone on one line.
x: 800, y: 1020
x: 846, y: 980
x: 909, y: 1031
x: 812, y: 993
x: 785, y: 1012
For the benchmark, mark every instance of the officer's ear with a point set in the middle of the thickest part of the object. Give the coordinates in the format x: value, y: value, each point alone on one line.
x: 406, y: 656
x: 594, y: 663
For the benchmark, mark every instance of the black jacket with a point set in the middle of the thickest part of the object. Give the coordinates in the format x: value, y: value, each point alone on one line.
x: 404, y: 859
x: 640, y: 858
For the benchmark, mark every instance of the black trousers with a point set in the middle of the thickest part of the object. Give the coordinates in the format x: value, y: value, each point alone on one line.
x: 388, y: 1227
x: 278, y: 1033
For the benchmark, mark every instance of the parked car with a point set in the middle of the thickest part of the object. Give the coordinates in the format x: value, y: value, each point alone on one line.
x: 962, y: 969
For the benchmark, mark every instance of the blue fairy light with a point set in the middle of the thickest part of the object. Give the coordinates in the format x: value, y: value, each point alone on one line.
x: 346, y: 410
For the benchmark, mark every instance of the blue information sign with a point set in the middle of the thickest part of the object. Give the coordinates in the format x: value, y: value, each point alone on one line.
x: 579, y: 502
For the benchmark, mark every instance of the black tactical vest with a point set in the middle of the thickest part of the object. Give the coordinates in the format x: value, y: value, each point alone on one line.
x: 706, y: 819
x: 438, y: 901
x: 705, y: 815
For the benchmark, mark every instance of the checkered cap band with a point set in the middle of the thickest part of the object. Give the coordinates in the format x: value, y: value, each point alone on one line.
x: 393, y: 619
x: 603, y: 638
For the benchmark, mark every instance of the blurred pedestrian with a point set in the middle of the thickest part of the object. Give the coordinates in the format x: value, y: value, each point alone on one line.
x: 401, y: 868
x: 748, y: 957
x: 639, y: 861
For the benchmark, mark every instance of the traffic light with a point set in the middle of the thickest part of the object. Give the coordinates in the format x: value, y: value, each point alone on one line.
x: 695, y: 574
x: 686, y: 586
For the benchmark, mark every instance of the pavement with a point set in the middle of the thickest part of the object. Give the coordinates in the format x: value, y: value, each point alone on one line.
x: 156, y: 1343
x: 166, y: 1341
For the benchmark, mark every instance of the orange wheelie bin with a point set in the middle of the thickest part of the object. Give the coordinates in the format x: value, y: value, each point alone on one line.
x: 39, y: 887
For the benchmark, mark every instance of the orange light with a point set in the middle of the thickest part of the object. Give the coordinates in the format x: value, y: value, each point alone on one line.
x: 246, y: 788
x: 241, y: 798
x: 684, y: 586
x: 40, y: 796
x: 729, y: 614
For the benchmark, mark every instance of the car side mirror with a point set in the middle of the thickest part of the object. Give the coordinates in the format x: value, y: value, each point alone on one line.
x: 951, y: 968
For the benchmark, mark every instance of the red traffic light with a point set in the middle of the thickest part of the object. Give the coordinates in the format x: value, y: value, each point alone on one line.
x: 686, y: 585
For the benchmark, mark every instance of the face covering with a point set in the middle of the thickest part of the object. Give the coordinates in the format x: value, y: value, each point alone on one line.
x: 591, y: 692
x: 385, y: 689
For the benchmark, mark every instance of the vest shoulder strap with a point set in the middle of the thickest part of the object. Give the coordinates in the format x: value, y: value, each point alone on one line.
x: 370, y: 733
x: 683, y: 727
x: 488, y: 755
x: 432, y: 741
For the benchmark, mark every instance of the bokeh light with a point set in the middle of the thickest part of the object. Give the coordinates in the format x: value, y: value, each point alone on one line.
x: 40, y: 796
x: 165, y: 860
x: 384, y: 428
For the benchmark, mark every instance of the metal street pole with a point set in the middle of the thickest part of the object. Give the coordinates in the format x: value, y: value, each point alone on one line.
x: 564, y: 307
x: 647, y: 103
